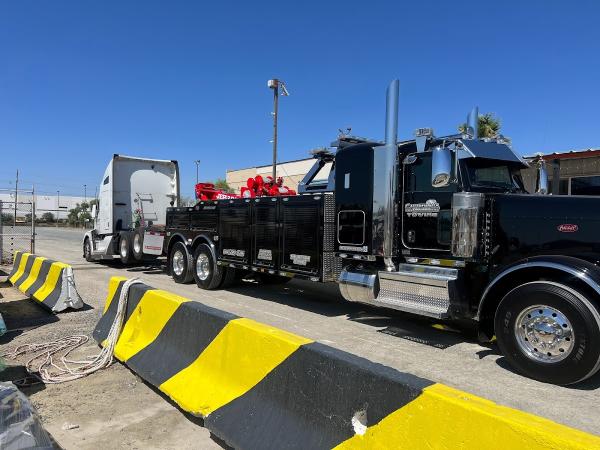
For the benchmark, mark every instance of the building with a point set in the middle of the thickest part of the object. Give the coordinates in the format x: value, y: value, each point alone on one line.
x: 572, y: 172
x: 43, y: 203
x: 291, y: 171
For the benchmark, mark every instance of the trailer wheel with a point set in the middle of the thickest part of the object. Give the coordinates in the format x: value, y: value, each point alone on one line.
x: 207, y: 273
x: 87, y: 250
x: 180, y: 263
x: 138, y: 245
x: 125, y: 252
x: 546, y: 331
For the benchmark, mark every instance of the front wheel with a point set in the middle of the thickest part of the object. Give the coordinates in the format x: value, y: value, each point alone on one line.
x: 180, y: 263
x: 87, y: 250
x: 548, y: 331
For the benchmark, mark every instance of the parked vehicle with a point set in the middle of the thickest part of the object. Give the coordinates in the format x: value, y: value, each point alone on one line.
x: 129, y: 221
x: 435, y: 226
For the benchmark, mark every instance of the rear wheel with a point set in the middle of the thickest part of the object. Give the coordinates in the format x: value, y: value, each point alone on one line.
x: 207, y: 274
x: 138, y: 245
x: 546, y: 330
x: 125, y: 253
x: 180, y: 263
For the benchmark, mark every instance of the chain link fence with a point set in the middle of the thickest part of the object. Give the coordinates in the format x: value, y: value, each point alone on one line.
x: 17, y: 228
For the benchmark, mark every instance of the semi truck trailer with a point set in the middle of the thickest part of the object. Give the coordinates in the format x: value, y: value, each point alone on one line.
x: 438, y: 226
x: 130, y: 214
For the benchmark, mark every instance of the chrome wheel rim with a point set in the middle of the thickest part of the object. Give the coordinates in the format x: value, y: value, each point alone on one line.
x: 177, y: 262
x: 123, y: 248
x: 544, y: 334
x: 137, y: 243
x: 202, y: 267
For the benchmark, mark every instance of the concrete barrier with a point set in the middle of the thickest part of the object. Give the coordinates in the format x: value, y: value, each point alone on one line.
x: 48, y: 282
x: 259, y: 387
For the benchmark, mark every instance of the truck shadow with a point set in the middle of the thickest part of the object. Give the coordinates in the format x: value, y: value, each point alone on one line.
x: 326, y: 300
x: 591, y: 384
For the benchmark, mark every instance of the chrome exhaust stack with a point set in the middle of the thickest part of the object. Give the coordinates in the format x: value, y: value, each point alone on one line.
x: 473, y: 123
x: 385, y: 183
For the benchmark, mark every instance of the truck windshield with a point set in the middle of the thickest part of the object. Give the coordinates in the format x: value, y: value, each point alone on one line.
x: 495, y: 177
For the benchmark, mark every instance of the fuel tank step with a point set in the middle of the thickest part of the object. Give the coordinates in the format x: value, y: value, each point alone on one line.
x: 414, y: 288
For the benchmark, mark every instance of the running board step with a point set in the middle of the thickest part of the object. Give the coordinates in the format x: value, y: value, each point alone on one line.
x: 414, y: 288
x: 418, y: 289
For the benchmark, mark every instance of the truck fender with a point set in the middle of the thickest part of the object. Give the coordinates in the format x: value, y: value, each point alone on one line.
x: 205, y: 239
x: 583, y: 271
x: 175, y: 237
x: 87, y: 235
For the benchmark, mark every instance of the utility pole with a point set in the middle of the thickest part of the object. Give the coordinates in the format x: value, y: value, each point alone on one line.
x: 197, y: 164
x: 275, y: 84
x: 85, y: 193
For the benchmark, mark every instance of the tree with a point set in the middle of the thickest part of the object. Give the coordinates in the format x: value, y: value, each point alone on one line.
x: 186, y: 201
x: 222, y: 184
x: 48, y: 217
x: 79, y: 214
x: 489, y: 125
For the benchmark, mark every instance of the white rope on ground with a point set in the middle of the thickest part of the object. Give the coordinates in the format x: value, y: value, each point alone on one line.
x: 43, y: 365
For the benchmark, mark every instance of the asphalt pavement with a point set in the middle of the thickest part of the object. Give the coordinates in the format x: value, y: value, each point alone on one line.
x: 404, y: 342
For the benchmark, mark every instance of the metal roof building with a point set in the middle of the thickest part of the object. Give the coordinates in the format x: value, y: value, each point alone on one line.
x: 571, y: 172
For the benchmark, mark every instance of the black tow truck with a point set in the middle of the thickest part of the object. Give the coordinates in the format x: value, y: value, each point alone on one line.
x: 435, y: 226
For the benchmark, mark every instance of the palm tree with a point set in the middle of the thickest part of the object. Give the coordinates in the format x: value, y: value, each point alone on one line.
x: 489, y: 125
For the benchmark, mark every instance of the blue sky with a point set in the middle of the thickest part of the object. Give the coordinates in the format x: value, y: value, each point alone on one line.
x: 81, y: 80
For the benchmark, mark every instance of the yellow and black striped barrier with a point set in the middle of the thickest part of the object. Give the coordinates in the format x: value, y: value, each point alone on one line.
x: 260, y: 387
x: 48, y: 282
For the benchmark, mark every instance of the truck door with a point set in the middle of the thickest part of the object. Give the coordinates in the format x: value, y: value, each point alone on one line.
x: 426, y: 211
x: 105, y: 207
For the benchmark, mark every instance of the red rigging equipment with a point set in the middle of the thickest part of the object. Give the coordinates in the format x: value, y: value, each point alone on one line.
x: 255, y: 187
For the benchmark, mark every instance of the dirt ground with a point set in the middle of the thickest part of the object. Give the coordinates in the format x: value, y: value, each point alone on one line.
x: 112, y: 408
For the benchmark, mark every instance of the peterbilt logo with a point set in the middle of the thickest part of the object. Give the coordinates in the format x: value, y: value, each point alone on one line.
x: 567, y: 228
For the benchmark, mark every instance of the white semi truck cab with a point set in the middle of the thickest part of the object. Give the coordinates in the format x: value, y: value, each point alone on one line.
x: 130, y: 217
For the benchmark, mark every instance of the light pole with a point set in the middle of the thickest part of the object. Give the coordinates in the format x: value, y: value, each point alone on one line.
x: 197, y: 164
x: 275, y: 84
x: 85, y: 193
x: 57, y: 207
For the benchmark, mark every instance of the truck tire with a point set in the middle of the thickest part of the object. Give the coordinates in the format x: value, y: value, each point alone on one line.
x: 207, y: 273
x: 180, y: 263
x: 137, y: 245
x: 87, y: 250
x: 547, y: 330
x: 125, y: 250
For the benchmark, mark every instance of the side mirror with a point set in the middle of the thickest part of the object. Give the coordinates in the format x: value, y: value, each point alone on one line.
x: 441, y: 167
x: 541, y: 186
x: 94, y: 211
